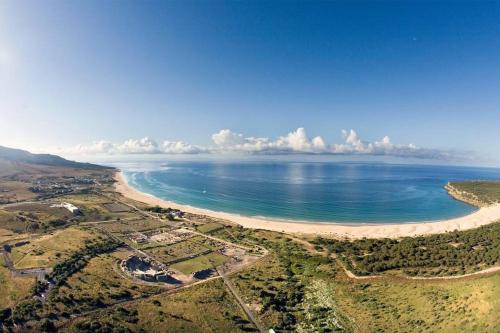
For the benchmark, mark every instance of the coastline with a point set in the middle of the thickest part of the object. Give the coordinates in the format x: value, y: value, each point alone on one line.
x: 483, y: 216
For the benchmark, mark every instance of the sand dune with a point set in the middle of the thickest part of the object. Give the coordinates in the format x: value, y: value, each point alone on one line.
x: 484, y: 215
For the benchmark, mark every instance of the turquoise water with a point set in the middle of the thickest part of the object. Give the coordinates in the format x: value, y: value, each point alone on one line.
x: 336, y: 192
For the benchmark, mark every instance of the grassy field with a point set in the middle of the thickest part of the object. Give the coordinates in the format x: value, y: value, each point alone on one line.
x: 284, y: 289
x: 13, y: 191
x: 41, y: 212
x: 99, y: 283
x: 10, y: 236
x: 202, y: 308
x: 13, y: 288
x: 293, y: 290
x: 175, y: 251
x: 46, y: 250
x: 94, y: 207
x: 11, y: 221
x: 194, y: 265
x: 209, y: 227
x: 445, y: 306
x: 139, y: 224
x: 34, y: 217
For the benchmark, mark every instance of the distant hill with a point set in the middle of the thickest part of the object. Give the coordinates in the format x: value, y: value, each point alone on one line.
x: 23, y: 156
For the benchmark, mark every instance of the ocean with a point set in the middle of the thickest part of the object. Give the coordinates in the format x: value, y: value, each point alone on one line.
x: 316, y: 192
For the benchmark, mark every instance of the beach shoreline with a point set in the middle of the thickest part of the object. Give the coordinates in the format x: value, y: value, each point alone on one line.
x: 483, y: 216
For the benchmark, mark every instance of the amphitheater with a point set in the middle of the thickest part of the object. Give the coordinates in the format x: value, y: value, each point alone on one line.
x: 147, y: 269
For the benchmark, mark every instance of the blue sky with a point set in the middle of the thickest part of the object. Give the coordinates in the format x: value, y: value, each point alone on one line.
x: 423, y: 73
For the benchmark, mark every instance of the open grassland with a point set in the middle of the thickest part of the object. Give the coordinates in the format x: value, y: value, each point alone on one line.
x: 41, y: 212
x: 294, y: 290
x: 94, y: 207
x: 98, y: 284
x: 128, y: 226
x: 10, y: 236
x: 47, y: 250
x: 470, y: 305
x: 14, y: 191
x: 13, y: 222
x: 13, y: 288
x: 168, y: 253
x: 289, y: 289
x: 35, y: 217
x: 206, y: 307
x: 209, y: 227
x: 481, y: 192
x: 206, y: 261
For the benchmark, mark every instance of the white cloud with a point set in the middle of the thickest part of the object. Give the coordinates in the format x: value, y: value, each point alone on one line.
x: 97, y: 147
x: 141, y: 146
x: 179, y: 147
x: 295, y: 142
x: 135, y: 146
x: 227, y: 138
x: 319, y: 143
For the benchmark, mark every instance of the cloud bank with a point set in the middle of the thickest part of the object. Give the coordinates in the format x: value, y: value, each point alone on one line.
x: 133, y: 146
x: 295, y: 142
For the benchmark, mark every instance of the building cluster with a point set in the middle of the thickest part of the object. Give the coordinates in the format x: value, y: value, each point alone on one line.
x: 55, y: 185
x: 46, y: 186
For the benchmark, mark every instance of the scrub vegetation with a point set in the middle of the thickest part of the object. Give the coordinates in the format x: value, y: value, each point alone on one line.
x: 453, y: 253
x: 66, y: 276
x: 482, y: 191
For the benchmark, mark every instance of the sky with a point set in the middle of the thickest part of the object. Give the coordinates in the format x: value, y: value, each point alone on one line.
x: 405, y: 79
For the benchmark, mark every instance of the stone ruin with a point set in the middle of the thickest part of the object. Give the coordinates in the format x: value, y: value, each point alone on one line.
x: 147, y: 269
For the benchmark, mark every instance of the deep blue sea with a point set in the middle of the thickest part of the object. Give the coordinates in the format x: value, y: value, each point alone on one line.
x: 335, y: 192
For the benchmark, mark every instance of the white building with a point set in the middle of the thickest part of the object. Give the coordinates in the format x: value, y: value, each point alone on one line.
x: 72, y: 208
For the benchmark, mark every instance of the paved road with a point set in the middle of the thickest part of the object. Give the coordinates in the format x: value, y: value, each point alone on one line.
x: 243, y: 305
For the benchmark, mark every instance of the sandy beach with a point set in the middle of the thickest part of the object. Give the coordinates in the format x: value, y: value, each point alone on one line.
x: 482, y: 216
